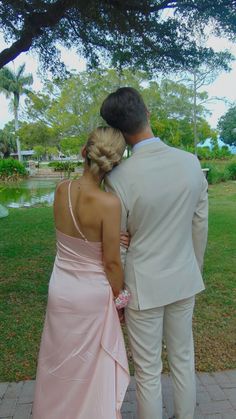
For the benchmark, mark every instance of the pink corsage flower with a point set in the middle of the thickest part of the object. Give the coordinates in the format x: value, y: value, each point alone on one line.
x: 122, y: 300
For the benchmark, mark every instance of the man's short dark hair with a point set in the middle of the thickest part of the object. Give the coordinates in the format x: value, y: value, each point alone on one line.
x: 125, y: 109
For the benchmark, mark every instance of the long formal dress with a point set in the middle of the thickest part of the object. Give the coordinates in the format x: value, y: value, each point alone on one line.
x: 82, y: 368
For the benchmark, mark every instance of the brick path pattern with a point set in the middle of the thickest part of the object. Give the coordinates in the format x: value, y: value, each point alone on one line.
x: 216, y: 398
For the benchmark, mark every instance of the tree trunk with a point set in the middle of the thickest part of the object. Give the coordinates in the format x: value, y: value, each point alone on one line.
x: 16, y: 128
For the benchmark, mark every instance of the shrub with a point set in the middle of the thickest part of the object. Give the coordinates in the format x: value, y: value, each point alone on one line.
x: 204, y: 153
x: 221, y: 153
x: 216, y: 175
x: 64, y: 166
x: 231, y: 169
x: 11, y: 169
x: 52, y: 163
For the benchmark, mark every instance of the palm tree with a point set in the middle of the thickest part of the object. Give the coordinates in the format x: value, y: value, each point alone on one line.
x: 14, y: 84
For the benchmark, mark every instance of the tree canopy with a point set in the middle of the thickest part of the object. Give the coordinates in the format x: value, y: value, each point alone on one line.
x: 7, y: 139
x: 227, y: 126
x: 15, y: 83
x: 70, y: 108
x: 148, y: 34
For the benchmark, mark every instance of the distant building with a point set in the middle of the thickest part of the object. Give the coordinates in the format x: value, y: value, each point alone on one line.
x: 26, y: 154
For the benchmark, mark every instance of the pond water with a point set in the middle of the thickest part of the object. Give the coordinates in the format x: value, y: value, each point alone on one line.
x: 28, y: 193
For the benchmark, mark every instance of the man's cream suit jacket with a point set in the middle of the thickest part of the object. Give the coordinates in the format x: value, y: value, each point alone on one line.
x: 163, y: 194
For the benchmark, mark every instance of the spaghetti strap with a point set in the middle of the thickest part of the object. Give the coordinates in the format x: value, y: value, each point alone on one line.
x: 59, y: 183
x: 72, y: 214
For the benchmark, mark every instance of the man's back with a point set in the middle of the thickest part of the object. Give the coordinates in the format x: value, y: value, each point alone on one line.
x: 164, y: 206
x: 161, y: 189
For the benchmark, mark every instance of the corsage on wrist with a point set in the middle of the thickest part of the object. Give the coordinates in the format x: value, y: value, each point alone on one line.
x: 122, y: 300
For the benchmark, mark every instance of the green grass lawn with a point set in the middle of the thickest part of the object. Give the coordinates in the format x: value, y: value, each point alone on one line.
x: 215, y: 316
x: 27, y: 249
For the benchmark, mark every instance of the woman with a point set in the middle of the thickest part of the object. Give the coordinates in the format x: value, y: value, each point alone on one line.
x: 82, y: 369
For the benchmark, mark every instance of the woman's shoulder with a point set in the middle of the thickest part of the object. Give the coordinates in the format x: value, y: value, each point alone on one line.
x: 61, y: 185
x: 109, y: 200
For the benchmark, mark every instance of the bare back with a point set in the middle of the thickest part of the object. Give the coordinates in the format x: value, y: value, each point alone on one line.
x: 89, y: 206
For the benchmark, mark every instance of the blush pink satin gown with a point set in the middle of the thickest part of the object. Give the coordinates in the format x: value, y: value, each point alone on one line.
x: 82, y: 368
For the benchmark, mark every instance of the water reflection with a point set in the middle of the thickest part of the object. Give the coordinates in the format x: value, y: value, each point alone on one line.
x: 28, y: 193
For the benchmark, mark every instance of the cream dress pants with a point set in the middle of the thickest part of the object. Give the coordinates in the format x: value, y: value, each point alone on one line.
x: 146, y: 329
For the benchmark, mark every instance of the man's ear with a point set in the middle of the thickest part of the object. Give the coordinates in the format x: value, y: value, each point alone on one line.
x: 84, y: 152
x: 148, y: 114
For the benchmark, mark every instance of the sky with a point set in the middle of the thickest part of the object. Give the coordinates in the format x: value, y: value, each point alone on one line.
x: 223, y: 86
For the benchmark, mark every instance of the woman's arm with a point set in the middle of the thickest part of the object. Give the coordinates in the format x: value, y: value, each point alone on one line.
x: 111, y: 244
x: 113, y: 187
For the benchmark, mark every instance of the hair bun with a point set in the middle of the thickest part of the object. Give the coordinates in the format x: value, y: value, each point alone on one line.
x: 104, y: 158
x: 105, y: 148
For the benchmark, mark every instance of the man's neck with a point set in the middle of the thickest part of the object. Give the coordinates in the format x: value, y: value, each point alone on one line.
x: 140, y: 136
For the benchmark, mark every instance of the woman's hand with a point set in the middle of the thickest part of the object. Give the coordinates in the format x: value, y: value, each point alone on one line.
x: 125, y: 239
x: 121, y: 314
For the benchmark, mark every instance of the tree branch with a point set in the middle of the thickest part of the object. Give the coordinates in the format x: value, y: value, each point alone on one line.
x: 33, y: 27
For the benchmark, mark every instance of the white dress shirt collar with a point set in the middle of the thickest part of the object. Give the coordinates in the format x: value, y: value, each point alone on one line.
x: 144, y: 142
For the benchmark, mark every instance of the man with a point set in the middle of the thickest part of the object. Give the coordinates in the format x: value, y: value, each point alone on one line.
x: 163, y: 193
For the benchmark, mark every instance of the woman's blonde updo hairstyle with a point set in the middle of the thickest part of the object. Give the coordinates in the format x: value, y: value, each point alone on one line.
x: 104, y: 149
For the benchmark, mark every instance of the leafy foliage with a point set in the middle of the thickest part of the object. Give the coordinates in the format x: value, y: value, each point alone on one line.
x: 37, y: 133
x: 148, y: 34
x: 63, y: 166
x: 39, y: 151
x: 70, y: 146
x: 70, y: 108
x: 232, y: 170
x: 227, y: 126
x: 11, y: 169
x: 7, y: 140
x: 220, y: 170
x: 14, y: 84
x: 217, y: 153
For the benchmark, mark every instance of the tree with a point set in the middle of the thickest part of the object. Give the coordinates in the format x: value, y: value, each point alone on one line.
x: 70, y: 146
x: 171, y: 107
x: 7, y: 140
x: 180, y: 132
x: 38, y: 133
x: 52, y: 151
x: 227, y: 126
x: 203, y: 75
x: 39, y: 152
x: 14, y: 84
x: 71, y: 107
x: 131, y: 32
x: 172, y: 99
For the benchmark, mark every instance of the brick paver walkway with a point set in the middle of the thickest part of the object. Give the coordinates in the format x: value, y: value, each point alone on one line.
x: 216, y: 398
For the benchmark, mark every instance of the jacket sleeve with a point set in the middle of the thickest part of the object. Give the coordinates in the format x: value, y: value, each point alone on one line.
x: 111, y: 186
x: 200, y: 224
